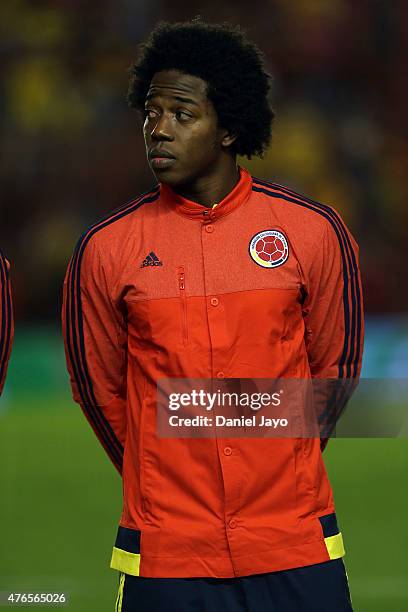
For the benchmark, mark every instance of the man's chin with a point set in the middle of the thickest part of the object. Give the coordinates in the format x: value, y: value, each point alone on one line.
x: 168, y: 176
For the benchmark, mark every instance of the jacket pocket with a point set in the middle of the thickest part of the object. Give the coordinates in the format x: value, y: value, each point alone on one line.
x: 141, y: 448
x: 181, y: 276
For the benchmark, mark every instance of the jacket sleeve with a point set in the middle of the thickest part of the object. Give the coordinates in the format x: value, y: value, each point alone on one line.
x: 95, y: 338
x: 6, y: 319
x: 334, y: 324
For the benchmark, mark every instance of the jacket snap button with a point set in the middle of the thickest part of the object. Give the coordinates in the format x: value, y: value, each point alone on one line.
x: 209, y: 228
x: 227, y: 450
x: 232, y: 523
x: 214, y: 301
x: 220, y: 375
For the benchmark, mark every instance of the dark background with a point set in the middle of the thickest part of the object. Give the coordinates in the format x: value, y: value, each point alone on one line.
x: 71, y: 150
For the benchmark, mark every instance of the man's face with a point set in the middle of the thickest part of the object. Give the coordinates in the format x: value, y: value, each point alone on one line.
x: 182, y: 137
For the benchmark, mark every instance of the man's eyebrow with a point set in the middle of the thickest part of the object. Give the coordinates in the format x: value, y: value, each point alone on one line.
x: 187, y: 100
x: 178, y: 98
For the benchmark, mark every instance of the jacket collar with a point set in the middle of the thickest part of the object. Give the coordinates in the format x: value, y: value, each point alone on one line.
x: 239, y: 194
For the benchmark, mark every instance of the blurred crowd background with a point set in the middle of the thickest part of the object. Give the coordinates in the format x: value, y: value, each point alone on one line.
x: 71, y: 150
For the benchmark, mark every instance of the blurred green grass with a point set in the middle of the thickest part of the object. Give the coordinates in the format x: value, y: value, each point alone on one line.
x: 60, y: 505
x: 61, y: 500
x: 60, y: 497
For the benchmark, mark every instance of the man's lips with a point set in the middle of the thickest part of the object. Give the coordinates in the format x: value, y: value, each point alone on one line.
x: 161, y: 159
x: 160, y: 154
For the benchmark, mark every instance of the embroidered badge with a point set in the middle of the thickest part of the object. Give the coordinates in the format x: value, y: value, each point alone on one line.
x: 269, y: 248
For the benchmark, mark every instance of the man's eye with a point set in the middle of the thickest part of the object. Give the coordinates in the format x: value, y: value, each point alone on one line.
x: 149, y: 113
x: 183, y: 115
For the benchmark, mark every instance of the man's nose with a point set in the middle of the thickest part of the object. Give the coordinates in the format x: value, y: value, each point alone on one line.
x: 162, y: 129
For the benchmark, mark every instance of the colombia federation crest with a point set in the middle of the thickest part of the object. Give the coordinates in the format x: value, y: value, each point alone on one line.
x: 269, y: 248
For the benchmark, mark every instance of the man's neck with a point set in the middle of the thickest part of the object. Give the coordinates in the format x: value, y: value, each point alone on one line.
x: 212, y: 189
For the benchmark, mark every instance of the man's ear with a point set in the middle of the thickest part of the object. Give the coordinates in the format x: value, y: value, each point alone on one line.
x: 228, y: 139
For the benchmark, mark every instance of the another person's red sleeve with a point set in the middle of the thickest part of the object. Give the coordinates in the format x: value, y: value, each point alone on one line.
x: 6, y: 319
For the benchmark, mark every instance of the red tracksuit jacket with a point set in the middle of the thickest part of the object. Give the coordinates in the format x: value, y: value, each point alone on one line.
x: 165, y: 287
x: 6, y: 319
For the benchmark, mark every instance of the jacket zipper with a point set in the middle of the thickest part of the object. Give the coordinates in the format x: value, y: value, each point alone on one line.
x: 182, y: 291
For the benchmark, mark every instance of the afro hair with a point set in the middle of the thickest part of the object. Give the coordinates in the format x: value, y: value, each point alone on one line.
x: 231, y: 65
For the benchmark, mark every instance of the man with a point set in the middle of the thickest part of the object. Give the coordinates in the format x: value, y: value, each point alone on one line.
x: 213, y: 274
x: 6, y: 319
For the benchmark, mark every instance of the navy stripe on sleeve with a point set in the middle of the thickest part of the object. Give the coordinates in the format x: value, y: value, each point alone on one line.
x: 350, y: 357
x: 352, y: 261
x: 75, y: 334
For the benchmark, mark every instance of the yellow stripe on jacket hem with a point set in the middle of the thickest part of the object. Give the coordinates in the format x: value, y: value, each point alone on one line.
x: 126, y: 562
x: 335, y: 547
x: 129, y: 563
